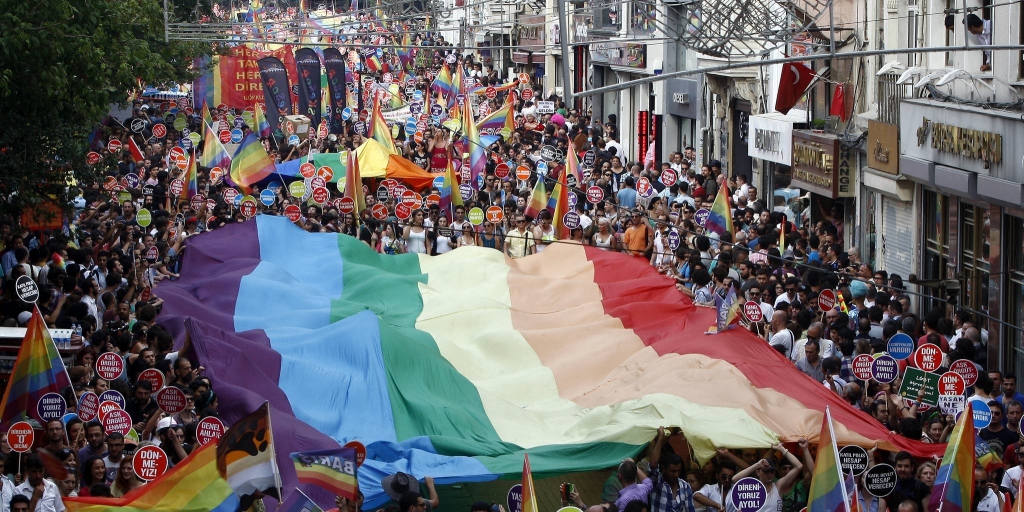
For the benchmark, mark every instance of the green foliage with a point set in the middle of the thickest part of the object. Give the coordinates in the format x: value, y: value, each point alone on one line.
x: 62, y: 63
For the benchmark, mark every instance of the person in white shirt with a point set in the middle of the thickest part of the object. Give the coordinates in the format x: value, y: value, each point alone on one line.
x: 991, y: 500
x: 826, y: 347
x: 781, y: 336
x: 43, y: 494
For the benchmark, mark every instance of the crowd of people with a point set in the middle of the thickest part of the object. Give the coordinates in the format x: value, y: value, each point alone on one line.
x: 97, y: 276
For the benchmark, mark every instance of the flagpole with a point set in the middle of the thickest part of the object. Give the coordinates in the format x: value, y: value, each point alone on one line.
x: 273, y: 457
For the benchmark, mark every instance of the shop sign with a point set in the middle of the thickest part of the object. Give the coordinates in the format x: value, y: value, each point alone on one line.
x: 964, y: 142
x: 816, y: 162
x: 630, y: 55
x: 770, y: 139
x: 883, y: 147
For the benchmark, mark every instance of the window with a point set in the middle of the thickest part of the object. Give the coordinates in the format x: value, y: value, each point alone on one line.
x: 974, y: 233
x: 643, y: 16
x: 936, y: 247
x: 607, y: 15
x: 1013, y: 249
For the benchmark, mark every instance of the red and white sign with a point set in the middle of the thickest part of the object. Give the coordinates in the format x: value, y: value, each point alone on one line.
x: 669, y: 177
x: 176, y: 151
x: 209, y: 430
x: 159, y: 130
x: 21, y: 437
x: 360, y: 451
x: 176, y: 187
x: 320, y: 195
x: 109, y: 365
x: 402, y: 211
x: 951, y: 383
x: 317, y: 181
x: 346, y: 205
x: 432, y: 199
x: 527, y: 94
x: 307, y: 170
x: 409, y: 198
x: 224, y: 136
x: 388, y: 78
x: 93, y: 158
x: 106, y: 407
x: 494, y: 214
x: 229, y: 195
x: 967, y: 369
x: 644, y: 187
x: 88, y: 406
x: 325, y: 173
x: 391, y: 185
x: 210, y: 205
x: 595, y: 194
x: 114, y: 146
x: 862, y: 366
x: 379, y: 212
x: 248, y: 208
x: 491, y: 93
x: 752, y: 311
x: 215, y: 174
x: 181, y: 162
x: 149, y: 462
x: 154, y: 376
x: 152, y: 254
x: 171, y: 400
x: 197, y: 202
x: 927, y: 357
x: 501, y: 171
x: 117, y: 421
x: 523, y: 172
x: 293, y: 212
x: 826, y: 300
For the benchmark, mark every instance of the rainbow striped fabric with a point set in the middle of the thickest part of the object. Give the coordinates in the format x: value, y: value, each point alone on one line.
x: 538, y: 199
x: 38, y: 370
x: 477, y: 155
x: 954, y: 481
x: 497, y: 121
x: 194, y: 485
x: 214, y: 154
x: 450, y: 194
x: 720, y: 219
x: 250, y: 164
x: 333, y: 470
x: 454, y: 366
x: 828, y: 486
x: 442, y: 83
x: 260, y: 120
x: 191, y: 187
x: 354, y: 182
x: 380, y: 132
x: 529, y: 492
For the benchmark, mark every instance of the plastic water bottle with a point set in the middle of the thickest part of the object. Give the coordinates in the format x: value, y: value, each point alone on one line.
x: 78, y: 331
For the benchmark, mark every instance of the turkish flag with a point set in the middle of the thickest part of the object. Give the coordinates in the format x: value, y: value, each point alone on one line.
x: 839, y: 102
x: 792, y: 85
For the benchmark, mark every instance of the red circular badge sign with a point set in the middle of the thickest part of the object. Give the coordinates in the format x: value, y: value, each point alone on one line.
x: 171, y: 400
x: 595, y: 194
x: 224, y: 136
x: 752, y: 311
x: 826, y: 300
x: 927, y: 357
x: 293, y: 212
x: 248, y: 208
x: 379, y: 211
x: 669, y: 177
x: 402, y: 211
x: 307, y: 170
x: 176, y: 187
x: 21, y: 437
x: 109, y: 365
x: 117, y: 421
x: 197, y: 202
x: 862, y: 366
x: 432, y: 199
x: 325, y: 173
x: 951, y: 383
x: 209, y: 430
x: 229, y: 195
x: 494, y: 214
x: 93, y: 158
x: 501, y: 170
x: 106, y: 407
x: 346, y: 205
x: 360, y: 451
x: 149, y: 462
x: 527, y: 94
x: 159, y: 130
x: 491, y: 93
x: 88, y: 406
x: 967, y: 369
x: 114, y: 146
x: 321, y: 195
x: 409, y: 198
x: 154, y: 376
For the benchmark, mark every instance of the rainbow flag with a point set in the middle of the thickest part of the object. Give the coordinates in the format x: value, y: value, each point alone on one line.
x: 559, y: 196
x: 538, y: 199
x: 405, y: 53
x: 354, y: 183
x: 828, y: 486
x: 192, y: 486
x: 450, y: 193
x: 728, y: 309
x: 986, y: 456
x: 720, y: 220
x: 251, y: 164
x: 458, y: 85
x: 853, y: 495
x: 497, y: 121
x: 207, y: 116
x: 442, y: 83
x: 190, y: 189
x: 477, y: 156
x: 479, y: 89
x: 38, y: 370
x: 529, y: 503
x: 332, y: 469
x: 379, y: 130
x: 214, y: 154
x: 372, y: 61
x: 260, y: 120
x: 954, y: 482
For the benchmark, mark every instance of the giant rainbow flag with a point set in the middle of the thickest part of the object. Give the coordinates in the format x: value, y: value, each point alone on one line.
x: 454, y: 366
x: 38, y: 370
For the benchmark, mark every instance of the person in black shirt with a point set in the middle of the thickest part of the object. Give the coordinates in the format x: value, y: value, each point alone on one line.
x: 908, y: 487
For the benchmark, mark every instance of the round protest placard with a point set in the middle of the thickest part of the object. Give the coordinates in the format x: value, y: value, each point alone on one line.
x: 144, y: 218
x: 114, y: 146
x: 523, y: 173
x: 267, y: 197
x: 149, y: 462
x: 967, y: 369
x: 26, y: 289
x: 571, y: 220
x: 106, y: 407
x: 293, y: 212
x: 111, y: 395
x: 981, y: 414
x: 644, y: 188
x: 668, y: 177
x: 295, y: 188
x: 209, y: 430
x: 379, y: 212
x: 109, y: 365
x: 595, y: 194
x: 117, y: 421
x: 928, y: 357
x: 951, y: 383
x: 359, y: 449
x: 346, y: 205
x: 382, y: 194
x: 154, y: 376
x: 701, y: 216
x: 501, y: 171
x: 51, y: 406
x: 880, y: 480
x: 176, y: 187
x: 432, y: 200
x: 826, y: 300
x: 495, y: 214
x: 320, y: 195
x: 171, y: 399
x: 853, y: 459
x: 20, y: 437
x: 88, y: 406
x: 862, y: 366
x: 248, y: 207
x: 466, y: 190
x: 885, y: 369
x: 159, y: 130
x: 900, y: 346
x: 673, y: 239
x: 527, y: 94
x: 402, y: 211
x: 475, y: 216
x: 753, y: 311
x: 93, y: 158
x: 748, y: 495
x: 515, y: 498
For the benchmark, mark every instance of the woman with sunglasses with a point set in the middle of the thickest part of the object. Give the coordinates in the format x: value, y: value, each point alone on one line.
x: 489, y: 238
x: 415, y: 235
x: 765, y: 471
x: 468, y: 238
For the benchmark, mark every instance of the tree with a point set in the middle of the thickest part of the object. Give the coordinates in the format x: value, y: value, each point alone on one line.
x: 62, y: 63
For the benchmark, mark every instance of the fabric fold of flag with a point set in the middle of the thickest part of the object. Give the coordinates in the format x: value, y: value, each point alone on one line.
x: 251, y: 164
x: 828, y: 485
x: 720, y: 219
x: 245, y: 455
x: 354, y: 182
x: 214, y: 153
x: 333, y: 469
x: 954, y: 482
x: 538, y: 199
x: 38, y: 370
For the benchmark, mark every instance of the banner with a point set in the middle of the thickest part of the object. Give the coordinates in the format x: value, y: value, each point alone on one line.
x: 276, y: 91
x: 398, y: 115
x: 234, y: 79
x: 307, y: 63
x: 337, y: 73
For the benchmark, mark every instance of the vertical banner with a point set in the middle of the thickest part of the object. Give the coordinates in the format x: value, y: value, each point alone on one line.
x: 337, y: 71
x: 307, y: 62
x: 234, y: 79
x: 276, y: 91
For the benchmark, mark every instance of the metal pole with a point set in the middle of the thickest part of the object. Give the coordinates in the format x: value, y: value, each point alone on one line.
x: 563, y: 36
x: 166, y: 32
x: 832, y: 28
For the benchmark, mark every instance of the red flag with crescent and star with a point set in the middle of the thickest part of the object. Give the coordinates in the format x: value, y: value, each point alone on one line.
x: 794, y: 81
